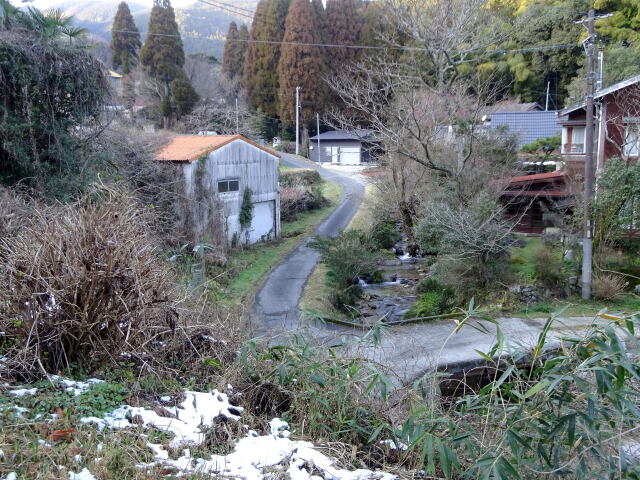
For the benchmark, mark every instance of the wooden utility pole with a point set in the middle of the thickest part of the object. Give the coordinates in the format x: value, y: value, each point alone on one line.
x: 587, y: 241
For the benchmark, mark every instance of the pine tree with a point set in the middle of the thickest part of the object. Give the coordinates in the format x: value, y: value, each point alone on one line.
x: 230, y: 54
x: 162, y: 54
x: 261, y: 62
x: 345, y: 23
x: 300, y: 65
x: 125, y: 40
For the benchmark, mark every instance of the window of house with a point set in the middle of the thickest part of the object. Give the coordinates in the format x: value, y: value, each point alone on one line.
x: 231, y: 185
x: 577, y: 140
x: 632, y: 140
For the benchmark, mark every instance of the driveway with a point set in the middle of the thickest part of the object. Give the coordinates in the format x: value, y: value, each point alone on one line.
x: 275, y: 311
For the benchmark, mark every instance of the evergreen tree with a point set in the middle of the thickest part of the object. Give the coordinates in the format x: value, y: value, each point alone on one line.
x: 243, y: 39
x: 183, y: 95
x: 260, y: 67
x: 162, y: 54
x: 320, y: 15
x: 230, y: 54
x: 300, y: 65
x: 345, y: 23
x: 125, y: 40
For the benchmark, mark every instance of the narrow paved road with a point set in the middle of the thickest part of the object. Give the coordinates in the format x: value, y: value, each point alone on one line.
x: 275, y: 309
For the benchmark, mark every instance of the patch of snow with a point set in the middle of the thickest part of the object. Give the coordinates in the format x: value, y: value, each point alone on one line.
x: 78, y: 458
x: 21, y: 392
x: 44, y: 443
x: 631, y: 450
x: 393, y: 446
x: 75, y: 387
x: 165, y: 398
x: 84, y: 474
x: 19, y: 410
x: 11, y: 476
x: 99, y: 447
x: 279, y: 428
x: 194, y: 415
x: 1, y: 453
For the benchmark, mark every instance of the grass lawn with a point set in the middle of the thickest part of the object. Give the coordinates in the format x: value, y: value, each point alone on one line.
x: 525, y: 270
x: 252, y: 263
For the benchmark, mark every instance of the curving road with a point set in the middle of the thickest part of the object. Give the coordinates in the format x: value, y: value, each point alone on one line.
x: 275, y: 310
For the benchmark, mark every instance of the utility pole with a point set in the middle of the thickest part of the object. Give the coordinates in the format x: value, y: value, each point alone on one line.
x: 318, y: 131
x: 297, y: 120
x: 237, y: 122
x: 587, y: 241
x: 546, y: 104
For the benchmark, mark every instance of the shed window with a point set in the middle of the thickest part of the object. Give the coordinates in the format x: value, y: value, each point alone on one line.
x: 225, y: 186
x: 632, y: 140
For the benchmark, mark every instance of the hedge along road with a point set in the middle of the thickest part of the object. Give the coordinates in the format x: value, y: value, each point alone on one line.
x: 275, y: 311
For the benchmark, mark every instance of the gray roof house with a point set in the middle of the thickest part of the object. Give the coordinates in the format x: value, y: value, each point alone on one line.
x: 342, y: 147
x: 528, y: 126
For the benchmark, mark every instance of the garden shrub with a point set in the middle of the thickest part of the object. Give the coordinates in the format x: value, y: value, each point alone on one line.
x: 608, y: 286
x: 295, y: 200
x: 385, y: 235
x: 301, y: 176
x: 547, y: 265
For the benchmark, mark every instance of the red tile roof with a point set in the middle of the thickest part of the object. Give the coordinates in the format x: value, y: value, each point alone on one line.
x: 187, y: 148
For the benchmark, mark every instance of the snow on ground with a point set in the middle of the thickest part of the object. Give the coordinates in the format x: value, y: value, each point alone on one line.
x: 252, y: 454
x: 184, y: 421
x: 84, y: 474
x: 75, y: 387
x: 21, y: 392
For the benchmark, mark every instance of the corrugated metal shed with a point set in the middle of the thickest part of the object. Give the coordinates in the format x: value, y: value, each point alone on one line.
x: 529, y: 126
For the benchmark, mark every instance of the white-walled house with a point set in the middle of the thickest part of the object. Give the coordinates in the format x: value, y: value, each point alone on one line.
x: 216, y: 170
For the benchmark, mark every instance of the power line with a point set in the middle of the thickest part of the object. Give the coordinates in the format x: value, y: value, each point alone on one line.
x: 372, y: 47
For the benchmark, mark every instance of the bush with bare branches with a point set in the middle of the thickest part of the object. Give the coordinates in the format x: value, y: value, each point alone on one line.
x: 80, y: 285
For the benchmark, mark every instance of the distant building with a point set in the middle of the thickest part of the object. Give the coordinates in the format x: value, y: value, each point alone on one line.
x: 528, y: 121
x: 115, y: 80
x: 217, y: 169
x: 342, y: 147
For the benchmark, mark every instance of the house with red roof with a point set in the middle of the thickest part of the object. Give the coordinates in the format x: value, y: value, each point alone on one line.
x: 218, y: 173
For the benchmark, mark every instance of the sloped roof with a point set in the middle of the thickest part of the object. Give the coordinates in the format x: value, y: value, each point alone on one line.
x: 187, y: 148
x: 510, y: 106
x: 537, y: 177
x: 602, y: 93
x: 344, y: 135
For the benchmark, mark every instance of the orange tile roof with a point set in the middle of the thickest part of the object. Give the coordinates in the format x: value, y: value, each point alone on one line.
x: 187, y: 148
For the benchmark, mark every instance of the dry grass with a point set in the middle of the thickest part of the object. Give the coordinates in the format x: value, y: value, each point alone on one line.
x: 82, y: 284
x: 608, y: 286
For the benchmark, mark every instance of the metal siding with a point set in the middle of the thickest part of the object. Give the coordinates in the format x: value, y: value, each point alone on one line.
x: 255, y: 168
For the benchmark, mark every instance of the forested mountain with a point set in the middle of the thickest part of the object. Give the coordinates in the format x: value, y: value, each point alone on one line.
x: 203, y: 27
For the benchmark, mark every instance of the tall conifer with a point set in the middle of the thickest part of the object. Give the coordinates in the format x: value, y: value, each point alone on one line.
x: 125, y: 40
x: 243, y: 39
x: 230, y: 55
x: 162, y: 54
x: 261, y: 62
x: 300, y: 65
x: 345, y: 23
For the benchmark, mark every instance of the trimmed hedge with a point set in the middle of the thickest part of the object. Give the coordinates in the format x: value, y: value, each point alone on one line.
x: 300, y: 177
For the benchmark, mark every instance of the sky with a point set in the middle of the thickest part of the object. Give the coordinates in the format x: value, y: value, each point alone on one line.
x: 44, y: 4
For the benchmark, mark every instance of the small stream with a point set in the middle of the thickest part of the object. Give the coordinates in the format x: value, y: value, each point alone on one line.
x: 389, y: 301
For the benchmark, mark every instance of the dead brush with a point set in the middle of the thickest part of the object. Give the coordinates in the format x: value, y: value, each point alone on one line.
x: 82, y: 284
x: 608, y: 286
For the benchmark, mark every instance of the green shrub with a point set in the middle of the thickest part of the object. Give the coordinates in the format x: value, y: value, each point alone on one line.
x: 547, y: 265
x: 436, y: 299
x: 348, y: 256
x: 385, y: 235
x: 300, y: 177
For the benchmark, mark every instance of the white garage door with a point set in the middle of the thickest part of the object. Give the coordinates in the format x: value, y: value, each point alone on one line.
x: 350, y: 155
x: 263, y: 221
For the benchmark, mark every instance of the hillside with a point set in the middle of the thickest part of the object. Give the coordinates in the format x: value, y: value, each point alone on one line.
x: 203, y: 27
